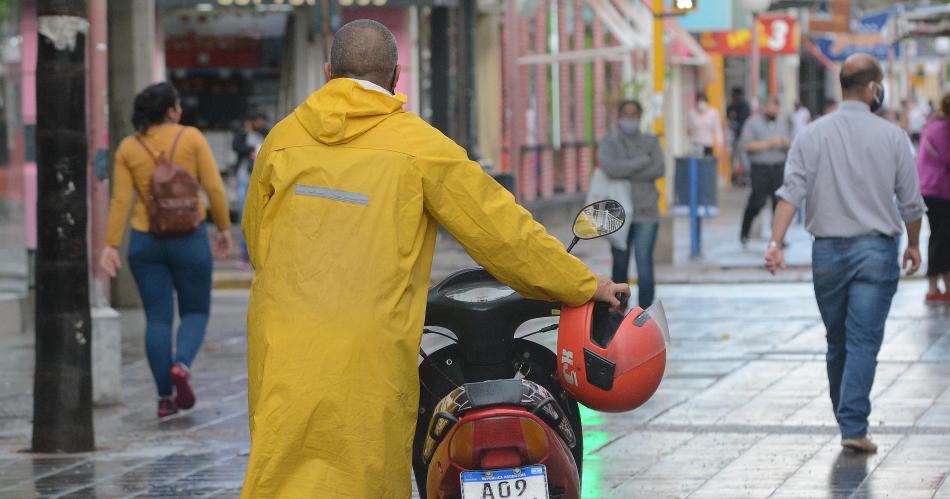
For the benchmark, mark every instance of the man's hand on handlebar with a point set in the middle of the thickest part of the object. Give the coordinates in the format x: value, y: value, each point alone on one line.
x: 607, y: 291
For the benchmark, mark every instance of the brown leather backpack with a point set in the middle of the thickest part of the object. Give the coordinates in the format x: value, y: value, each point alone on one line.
x: 172, y: 205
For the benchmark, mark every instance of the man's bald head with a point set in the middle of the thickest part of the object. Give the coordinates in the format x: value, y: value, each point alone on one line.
x: 366, y: 50
x: 857, y: 72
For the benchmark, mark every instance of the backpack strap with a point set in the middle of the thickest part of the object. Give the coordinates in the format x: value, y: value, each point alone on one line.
x: 138, y: 138
x: 171, y: 155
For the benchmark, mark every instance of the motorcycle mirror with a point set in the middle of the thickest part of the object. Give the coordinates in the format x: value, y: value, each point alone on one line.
x: 597, y: 220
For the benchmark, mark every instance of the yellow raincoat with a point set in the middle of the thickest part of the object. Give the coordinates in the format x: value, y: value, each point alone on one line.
x: 340, y: 224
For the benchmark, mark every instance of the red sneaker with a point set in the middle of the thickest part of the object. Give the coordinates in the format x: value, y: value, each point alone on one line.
x: 937, y: 297
x: 184, y: 396
x: 166, y: 407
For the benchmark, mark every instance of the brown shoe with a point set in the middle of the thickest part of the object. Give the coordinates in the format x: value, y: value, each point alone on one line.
x: 863, y: 444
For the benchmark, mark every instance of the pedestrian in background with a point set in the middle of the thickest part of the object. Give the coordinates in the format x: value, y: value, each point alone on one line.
x: 846, y: 170
x: 933, y: 164
x: 705, y: 126
x: 766, y: 137
x: 632, y: 155
x: 800, y: 118
x: 915, y: 117
x: 737, y: 113
x: 246, y: 143
x: 166, y: 268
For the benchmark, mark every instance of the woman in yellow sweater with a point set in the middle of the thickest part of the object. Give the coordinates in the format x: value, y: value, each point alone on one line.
x: 165, y: 267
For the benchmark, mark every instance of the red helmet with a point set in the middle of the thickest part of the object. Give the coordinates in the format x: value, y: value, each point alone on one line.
x: 611, y: 362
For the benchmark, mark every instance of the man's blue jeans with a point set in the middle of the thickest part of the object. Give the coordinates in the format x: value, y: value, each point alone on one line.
x: 642, y: 239
x: 855, y: 279
x: 163, y: 268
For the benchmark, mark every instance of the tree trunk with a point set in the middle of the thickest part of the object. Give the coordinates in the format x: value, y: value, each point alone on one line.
x: 62, y: 399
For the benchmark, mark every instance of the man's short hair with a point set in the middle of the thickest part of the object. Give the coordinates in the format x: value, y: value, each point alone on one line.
x: 630, y: 102
x: 364, y: 49
x: 857, y: 79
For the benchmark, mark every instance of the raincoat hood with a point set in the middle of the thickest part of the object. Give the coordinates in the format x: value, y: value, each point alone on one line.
x: 344, y: 109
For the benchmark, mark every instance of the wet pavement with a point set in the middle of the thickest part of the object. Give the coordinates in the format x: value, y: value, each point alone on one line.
x: 742, y: 411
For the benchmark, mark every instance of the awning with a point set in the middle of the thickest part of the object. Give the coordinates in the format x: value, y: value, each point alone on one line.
x: 682, y: 48
x: 632, y: 27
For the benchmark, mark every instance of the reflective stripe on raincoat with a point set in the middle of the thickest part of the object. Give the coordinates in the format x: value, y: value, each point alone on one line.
x: 340, y: 223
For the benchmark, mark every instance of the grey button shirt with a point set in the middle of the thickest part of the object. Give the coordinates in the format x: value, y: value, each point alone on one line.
x: 846, y: 169
x: 759, y: 128
x: 639, y: 159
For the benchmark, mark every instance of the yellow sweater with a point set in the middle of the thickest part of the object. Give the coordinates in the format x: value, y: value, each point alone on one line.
x: 134, y: 164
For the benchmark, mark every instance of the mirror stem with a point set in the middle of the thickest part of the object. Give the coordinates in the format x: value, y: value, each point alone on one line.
x: 569, y: 248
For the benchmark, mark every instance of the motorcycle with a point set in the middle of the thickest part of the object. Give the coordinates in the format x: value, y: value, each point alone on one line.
x: 494, y: 420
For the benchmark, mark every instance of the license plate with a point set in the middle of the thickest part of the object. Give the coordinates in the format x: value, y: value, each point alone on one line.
x: 530, y: 482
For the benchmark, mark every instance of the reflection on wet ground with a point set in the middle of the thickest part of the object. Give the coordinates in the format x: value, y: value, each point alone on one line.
x: 742, y: 412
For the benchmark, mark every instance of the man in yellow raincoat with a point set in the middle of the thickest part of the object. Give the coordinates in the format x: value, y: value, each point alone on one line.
x: 340, y: 224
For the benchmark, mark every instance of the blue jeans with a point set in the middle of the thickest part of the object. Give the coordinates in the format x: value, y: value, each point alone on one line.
x: 642, y: 239
x: 164, y: 267
x: 855, y: 280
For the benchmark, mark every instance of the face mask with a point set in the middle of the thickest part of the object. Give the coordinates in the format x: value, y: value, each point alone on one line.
x: 771, y: 117
x: 702, y: 106
x: 629, y: 126
x: 878, y: 100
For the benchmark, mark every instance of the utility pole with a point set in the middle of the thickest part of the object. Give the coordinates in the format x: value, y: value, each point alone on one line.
x: 62, y: 395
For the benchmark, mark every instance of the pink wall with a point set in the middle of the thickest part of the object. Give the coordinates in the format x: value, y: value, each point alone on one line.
x: 397, y: 20
x: 28, y: 108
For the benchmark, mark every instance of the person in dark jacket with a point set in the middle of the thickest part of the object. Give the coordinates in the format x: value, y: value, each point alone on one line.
x: 247, y: 138
x: 630, y: 154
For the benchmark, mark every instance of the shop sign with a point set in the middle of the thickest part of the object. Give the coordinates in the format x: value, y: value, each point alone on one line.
x: 778, y: 35
x: 838, y: 46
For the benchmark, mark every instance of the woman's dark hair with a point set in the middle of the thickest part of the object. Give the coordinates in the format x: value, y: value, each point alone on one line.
x: 630, y: 102
x: 152, y: 104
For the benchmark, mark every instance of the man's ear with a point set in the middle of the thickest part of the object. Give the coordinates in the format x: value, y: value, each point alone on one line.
x: 396, y: 74
x: 326, y: 71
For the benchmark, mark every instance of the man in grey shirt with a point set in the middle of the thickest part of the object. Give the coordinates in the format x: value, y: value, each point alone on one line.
x: 630, y: 154
x: 766, y: 138
x: 846, y: 170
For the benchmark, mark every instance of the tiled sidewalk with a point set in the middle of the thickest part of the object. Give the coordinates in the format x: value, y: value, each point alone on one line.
x: 742, y: 412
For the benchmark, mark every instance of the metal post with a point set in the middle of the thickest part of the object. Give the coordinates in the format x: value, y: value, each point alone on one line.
x: 440, y: 69
x: 468, y: 72
x: 62, y: 401
x: 695, y: 245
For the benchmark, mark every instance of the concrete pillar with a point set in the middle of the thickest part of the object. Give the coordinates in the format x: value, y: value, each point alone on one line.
x: 106, y: 357
x: 106, y: 331
x: 301, y: 71
x: 131, y: 48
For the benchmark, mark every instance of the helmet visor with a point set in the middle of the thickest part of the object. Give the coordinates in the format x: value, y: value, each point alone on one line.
x: 658, y: 314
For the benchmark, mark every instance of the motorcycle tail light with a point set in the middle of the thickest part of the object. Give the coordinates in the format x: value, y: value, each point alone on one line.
x: 498, y: 442
x: 460, y: 448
